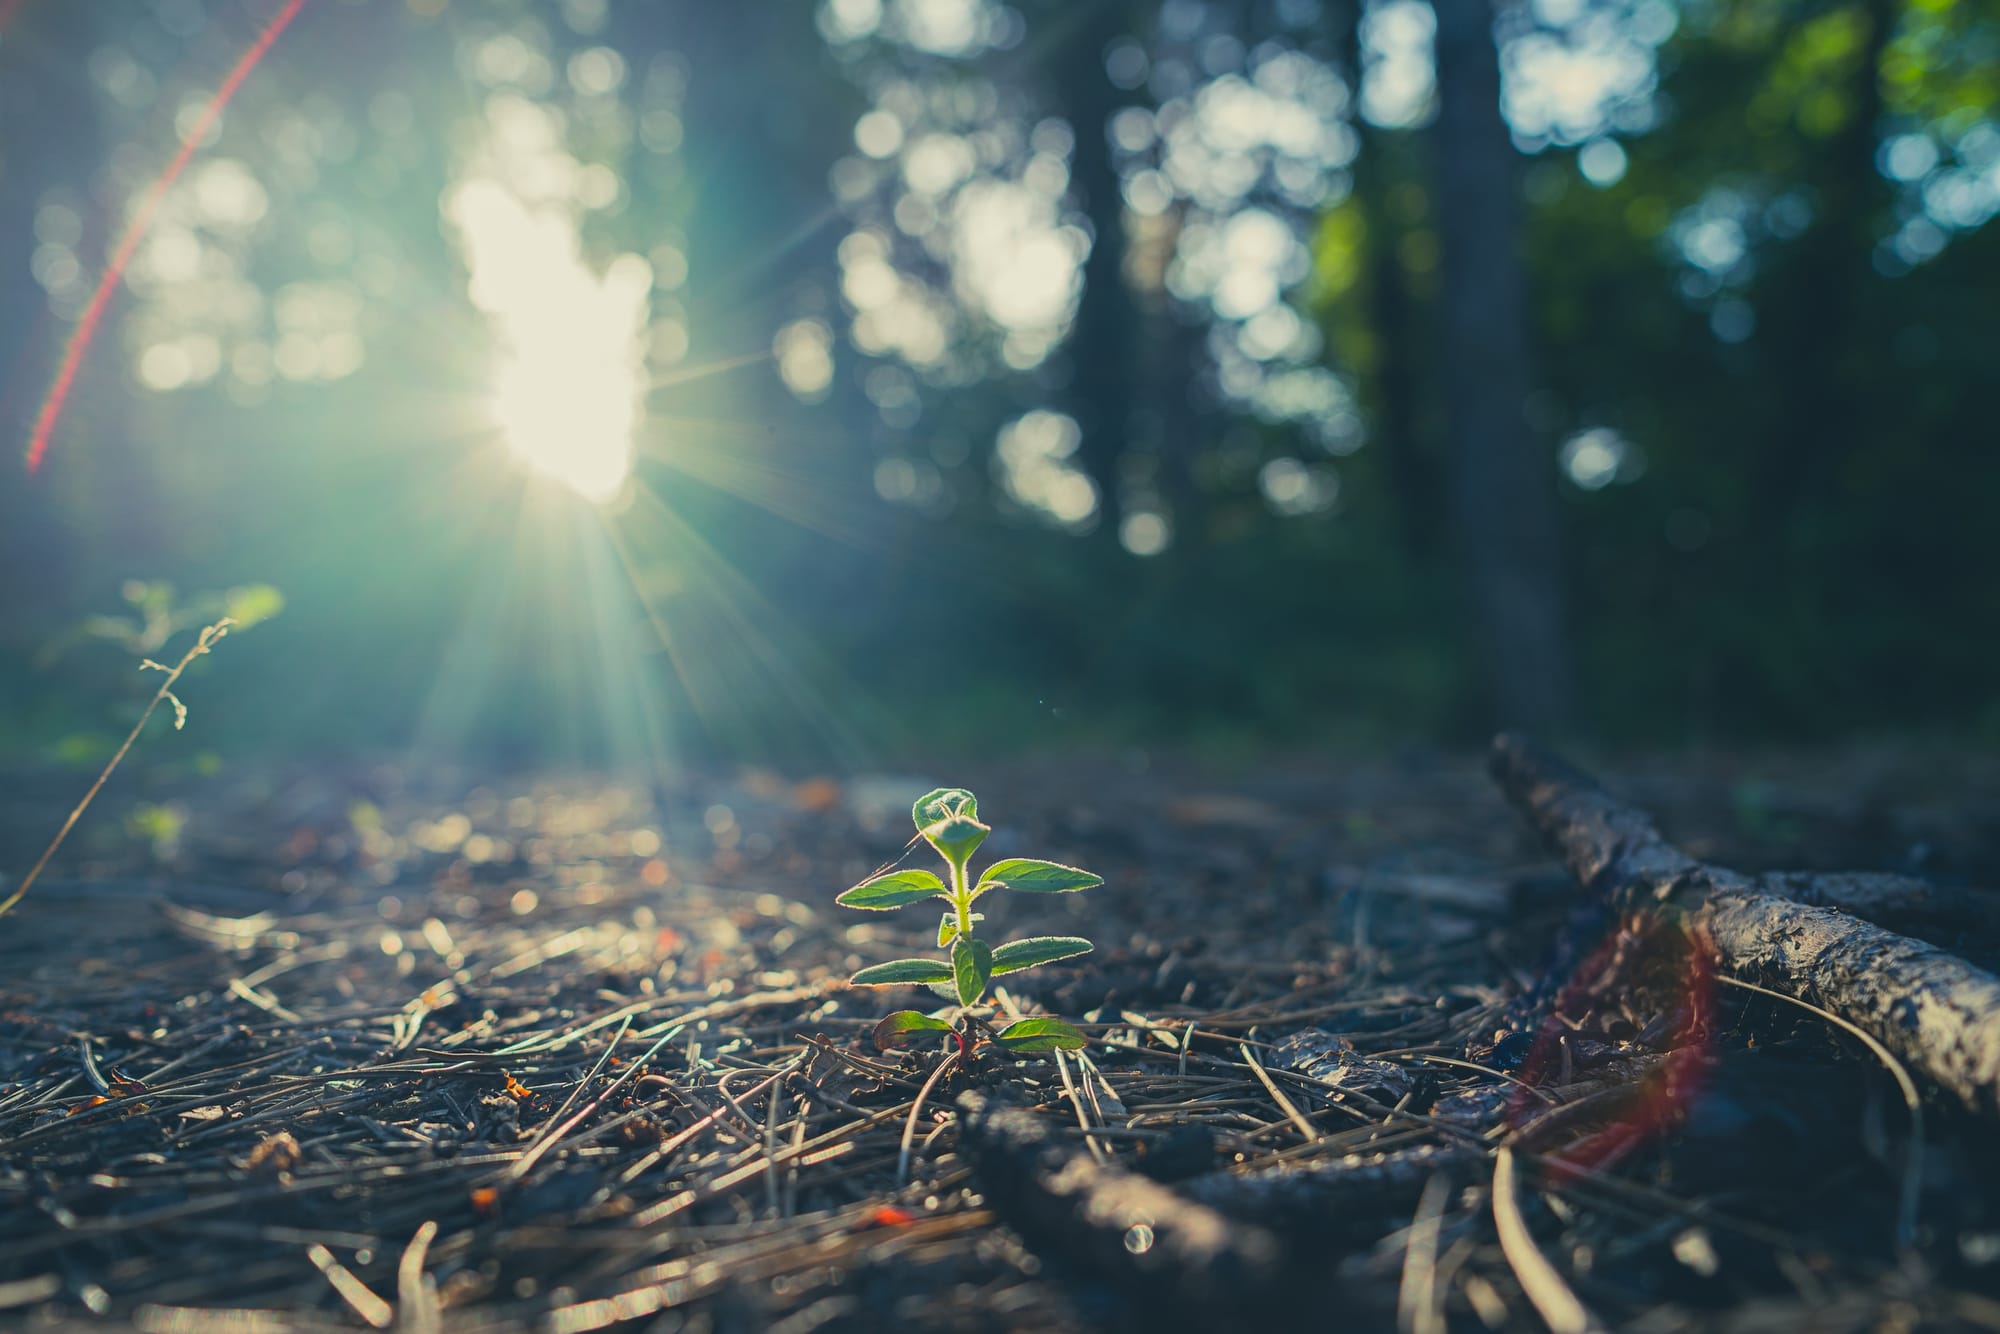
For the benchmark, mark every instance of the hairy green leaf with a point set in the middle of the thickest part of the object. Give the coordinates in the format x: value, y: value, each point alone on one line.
x: 892, y: 891
x: 1035, y: 877
x: 902, y: 972
x: 942, y: 804
x: 948, y: 928
x: 949, y: 819
x: 1017, y: 955
x: 1043, y: 1033
x: 905, y: 1026
x: 957, y: 839
x: 971, y: 966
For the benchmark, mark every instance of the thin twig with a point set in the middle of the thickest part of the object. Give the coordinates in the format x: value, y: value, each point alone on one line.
x: 416, y: 1294
x: 1419, y: 1309
x: 1551, y: 1296
x: 1911, y: 1196
x: 542, y: 1145
x: 916, y: 1111
x: 372, y: 1309
x: 1285, y: 1105
x: 203, y: 642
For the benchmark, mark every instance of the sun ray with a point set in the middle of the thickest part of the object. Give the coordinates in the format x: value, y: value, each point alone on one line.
x: 745, y: 467
x: 746, y: 651
x: 690, y: 374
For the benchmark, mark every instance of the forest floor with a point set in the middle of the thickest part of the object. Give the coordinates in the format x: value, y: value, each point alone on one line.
x: 315, y: 1047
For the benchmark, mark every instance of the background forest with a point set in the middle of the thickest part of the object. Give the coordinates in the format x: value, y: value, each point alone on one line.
x: 1054, y: 374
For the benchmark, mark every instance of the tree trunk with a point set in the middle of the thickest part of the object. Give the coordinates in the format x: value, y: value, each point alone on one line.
x: 1502, y: 488
x: 1104, y: 379
x: 1815, y: 317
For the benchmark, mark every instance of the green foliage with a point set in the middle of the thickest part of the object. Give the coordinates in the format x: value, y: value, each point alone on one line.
x: 971, y: 968
x: 893, y: 891
x: 1043, y: 1033
x: 902, y: 973
x: 1018, y: 955
x: 948, y: 928
x: 157, y: 615
x: 948, y: 819
x: 905, y: 1026
x: 1035, y: 877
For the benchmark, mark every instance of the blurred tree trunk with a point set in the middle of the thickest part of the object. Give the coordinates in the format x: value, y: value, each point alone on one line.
x: 1822, y: 343
x: 1171, y: 347
x: 1411, y: 460
x: 52, y: 137
x: 1393, y: 380
x: 1503, y: 490
x: 1104, y: 375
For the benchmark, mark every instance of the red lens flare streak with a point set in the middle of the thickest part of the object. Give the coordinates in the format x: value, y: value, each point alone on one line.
x: 128, y: 244
x: 9, y: 11
x: 1660, y: 1100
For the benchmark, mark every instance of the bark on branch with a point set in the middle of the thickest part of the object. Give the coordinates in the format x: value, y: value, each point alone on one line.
x: 1938, y: 1013
x: 1182, y: 1264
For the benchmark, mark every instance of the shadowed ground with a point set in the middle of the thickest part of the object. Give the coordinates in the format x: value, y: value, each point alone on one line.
x: 365, y: 1045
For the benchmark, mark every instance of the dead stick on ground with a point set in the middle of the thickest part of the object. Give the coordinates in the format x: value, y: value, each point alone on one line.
x: 1932, y: 1009
x: 1185, y: 1266
x: 1551, y: 1296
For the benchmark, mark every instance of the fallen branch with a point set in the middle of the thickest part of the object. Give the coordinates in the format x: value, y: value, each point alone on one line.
x: 1182, y: 1264
x: 1351, y: 1192
x: 1932, y: 1009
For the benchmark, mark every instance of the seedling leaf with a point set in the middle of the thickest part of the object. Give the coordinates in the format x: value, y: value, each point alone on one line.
x: 905, y: 1026
x: 1035, y: 877
x: 948, y: 928
x: 1043, y: 1033
x: 971, y: 966
x: 1017, y: 955
x: 956, y: 839
x: 942, y: 804
x: 892, y: 891
x: 902, y: 972
x: 949, y: 819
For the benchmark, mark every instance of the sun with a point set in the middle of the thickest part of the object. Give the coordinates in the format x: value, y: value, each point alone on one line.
x: 569, y: 377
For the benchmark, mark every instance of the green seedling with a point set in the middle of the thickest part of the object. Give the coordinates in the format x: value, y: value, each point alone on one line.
x: 948, y: 819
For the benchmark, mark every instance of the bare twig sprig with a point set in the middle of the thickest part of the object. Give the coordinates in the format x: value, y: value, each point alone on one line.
x: 164, y: 695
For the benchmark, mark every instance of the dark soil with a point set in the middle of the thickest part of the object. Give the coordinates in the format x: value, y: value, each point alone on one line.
x: 318, y: 1048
